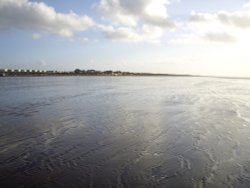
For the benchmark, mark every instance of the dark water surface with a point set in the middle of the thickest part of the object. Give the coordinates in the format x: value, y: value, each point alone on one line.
x: 124, y: 132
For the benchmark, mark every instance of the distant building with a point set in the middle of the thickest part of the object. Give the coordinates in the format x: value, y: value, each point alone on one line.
x: 17, y: 70
x: 109, y: 72
x: 51, y: 72
x: 2, y: 74
x: 91, y: 71
x: 117, y: 73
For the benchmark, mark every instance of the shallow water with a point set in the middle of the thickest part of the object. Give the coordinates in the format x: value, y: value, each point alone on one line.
x: 124, y: 132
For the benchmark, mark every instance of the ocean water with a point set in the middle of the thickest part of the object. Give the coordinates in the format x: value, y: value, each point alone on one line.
x: 124, y: 132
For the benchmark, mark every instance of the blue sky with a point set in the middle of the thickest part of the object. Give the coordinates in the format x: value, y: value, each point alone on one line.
x: 175, y: 36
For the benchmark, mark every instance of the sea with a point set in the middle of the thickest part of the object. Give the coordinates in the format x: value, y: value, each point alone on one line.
x: 124, y: 132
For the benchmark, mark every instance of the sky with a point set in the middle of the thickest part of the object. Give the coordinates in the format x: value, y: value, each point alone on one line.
x: 158, y: 36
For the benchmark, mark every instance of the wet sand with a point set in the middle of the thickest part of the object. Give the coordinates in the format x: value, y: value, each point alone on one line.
x: 124, y: 132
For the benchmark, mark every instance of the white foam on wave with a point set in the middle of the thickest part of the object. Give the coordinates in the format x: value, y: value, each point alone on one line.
x: 240, y: 116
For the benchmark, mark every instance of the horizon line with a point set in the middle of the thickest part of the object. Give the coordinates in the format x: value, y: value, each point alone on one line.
x: 43, y: 71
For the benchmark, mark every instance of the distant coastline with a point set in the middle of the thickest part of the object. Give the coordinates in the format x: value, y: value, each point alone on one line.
x: 76, y: 72
x: 92, y: 72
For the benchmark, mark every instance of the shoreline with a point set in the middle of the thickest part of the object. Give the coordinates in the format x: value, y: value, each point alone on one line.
x: 97, y: 73
x: 132, y: 75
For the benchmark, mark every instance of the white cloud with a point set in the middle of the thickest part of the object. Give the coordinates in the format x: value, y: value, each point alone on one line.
x: 219, y: 37
x: 130, y: 12
x: 239, y: 19
x: 127, y: 34
x: 220, y: 27
x: 246, y: 6
x: 36, y: 36
x: 129, y: 20
x: 204, y: 38
x: 39, y: 17
x: 201, y: 17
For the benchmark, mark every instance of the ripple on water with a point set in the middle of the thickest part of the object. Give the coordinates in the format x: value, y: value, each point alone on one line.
x: 125, y: 132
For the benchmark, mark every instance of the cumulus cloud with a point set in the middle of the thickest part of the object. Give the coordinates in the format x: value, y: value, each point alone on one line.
x: 127, y: 34
x: 200, y: 17
x: 130, y: 12
x: 223, y: 26
x: 39, y: 17
x: 219, y: 37
x: 239, y: 19
x: 135, y: 20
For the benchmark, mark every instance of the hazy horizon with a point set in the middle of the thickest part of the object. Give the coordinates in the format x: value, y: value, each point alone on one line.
x: 172, y: 37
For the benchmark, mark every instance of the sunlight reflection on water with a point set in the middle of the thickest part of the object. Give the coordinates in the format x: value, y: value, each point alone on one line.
x: 124, y: 132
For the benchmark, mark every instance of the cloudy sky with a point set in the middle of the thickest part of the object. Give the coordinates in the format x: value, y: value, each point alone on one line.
x: 161, y: 36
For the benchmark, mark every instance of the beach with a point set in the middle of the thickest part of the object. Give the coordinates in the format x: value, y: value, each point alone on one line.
x: 124, y: 132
